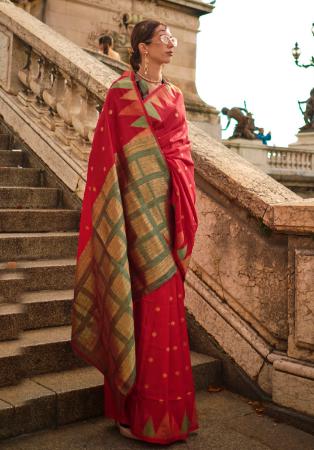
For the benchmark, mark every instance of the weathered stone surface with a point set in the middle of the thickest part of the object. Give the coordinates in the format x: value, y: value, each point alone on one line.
x: 304, y: 319
x: 43, y: 274
x: 10, y: 362
x: 48, y: 350
x: 295, y: 216
x: 300, y: 297
x: 245, y: 266
x: 305, y: 141
x: 32, y: 408
x: 70, y: 395
x: 11, y: 319
x: 227, y: 422
x: 67, y: 168
x: 239, y: 179
x: 47, y: 308
x: 11, y: 158
x: 39, y: 220
x: 265, y: 378
x: 12, y: 176
x: 11, y: 284
x: 57, y: 49
x: 79, y: 393
x: 4, y: 56
x: 293, y: 391
x: 16, y: 197
x: 206, y: 370
x: 15, y: 246
x: 83, y: 23
x: 218, y: 326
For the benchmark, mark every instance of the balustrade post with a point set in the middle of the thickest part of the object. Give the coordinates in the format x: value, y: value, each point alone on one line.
x: 12, y: 58
x: 37, y: 85
x: 67, y: 108
x: 85, y: 123
x: 52, y: 95
x: 26, y: 75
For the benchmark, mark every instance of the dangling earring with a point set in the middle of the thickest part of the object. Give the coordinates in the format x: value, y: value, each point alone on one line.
x: 146, y: 64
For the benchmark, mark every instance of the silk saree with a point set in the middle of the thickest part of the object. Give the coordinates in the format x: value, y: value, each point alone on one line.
x: 137, y: 231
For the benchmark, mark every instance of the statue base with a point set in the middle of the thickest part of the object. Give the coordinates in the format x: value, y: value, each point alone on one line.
x: 305, y: 140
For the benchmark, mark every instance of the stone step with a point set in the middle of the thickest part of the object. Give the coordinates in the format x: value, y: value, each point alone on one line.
x: 38, y: 220
x: 4, y: 140
x: 227, y: 421
x: 54, y: 399
x: 29, y: 197
x: 47, y: 308
x: 11, y: 285
x: 11, y: 320
x: 13, y: 176
x: 16, y: 246
x: 10, y: 362
x: 41, y: 274
x: 11, y: 158
x: 48, y: 350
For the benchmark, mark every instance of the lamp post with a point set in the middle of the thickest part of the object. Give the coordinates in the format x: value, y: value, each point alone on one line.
x: 296, y: 52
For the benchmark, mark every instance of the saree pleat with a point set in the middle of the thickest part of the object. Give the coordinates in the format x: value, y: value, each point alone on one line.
x: 137, y: 233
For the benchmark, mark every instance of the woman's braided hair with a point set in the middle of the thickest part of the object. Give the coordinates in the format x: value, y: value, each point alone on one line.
x: 142, y: 32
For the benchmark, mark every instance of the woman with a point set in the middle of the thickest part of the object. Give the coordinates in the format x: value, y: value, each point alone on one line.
x: 105, y: 44
x: 136, y: 237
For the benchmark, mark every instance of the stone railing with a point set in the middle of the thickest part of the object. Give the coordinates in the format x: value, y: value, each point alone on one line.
x: 58, y: 89
x: 277, y: 160
x: 290, y: 159
x: 251, y: 283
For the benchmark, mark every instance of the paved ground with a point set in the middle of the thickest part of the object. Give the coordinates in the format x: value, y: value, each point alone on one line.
x: 228, y: 422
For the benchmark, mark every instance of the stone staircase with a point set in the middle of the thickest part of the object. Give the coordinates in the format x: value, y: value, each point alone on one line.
x: 43, y: 384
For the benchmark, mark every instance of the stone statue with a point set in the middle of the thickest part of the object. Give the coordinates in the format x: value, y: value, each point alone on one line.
x: 308, y: 114
x: 245, y: 127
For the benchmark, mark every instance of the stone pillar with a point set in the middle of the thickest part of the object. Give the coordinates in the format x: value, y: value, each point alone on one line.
x: 305, y: 141
x: 12, y: 56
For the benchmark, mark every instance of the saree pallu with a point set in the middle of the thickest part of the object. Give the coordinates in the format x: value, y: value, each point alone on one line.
x: 137, y: 232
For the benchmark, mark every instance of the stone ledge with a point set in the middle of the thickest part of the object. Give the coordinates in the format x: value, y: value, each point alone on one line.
x: 251, y: 187
x: 244, y: 346
x: 293, y: 367
x: 292, y: 391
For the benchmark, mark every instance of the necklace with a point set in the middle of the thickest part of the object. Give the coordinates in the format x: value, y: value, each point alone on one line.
x: 147, y: 79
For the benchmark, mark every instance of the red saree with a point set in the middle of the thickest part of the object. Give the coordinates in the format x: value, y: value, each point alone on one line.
x: 137, y: 232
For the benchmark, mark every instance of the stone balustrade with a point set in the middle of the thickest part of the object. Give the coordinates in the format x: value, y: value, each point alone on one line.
x: 50, y: 78
x: 275, y: 160
x: 58, y: 100
x: 291, y: 159
x: 251, y: 283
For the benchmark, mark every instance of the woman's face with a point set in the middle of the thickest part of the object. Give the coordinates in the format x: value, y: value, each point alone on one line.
x: 159, y: 51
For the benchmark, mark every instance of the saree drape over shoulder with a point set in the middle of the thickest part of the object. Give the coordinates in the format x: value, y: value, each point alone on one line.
x: 137, y: 232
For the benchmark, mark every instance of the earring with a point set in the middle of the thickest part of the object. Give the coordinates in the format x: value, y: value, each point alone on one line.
x: 146, y: 64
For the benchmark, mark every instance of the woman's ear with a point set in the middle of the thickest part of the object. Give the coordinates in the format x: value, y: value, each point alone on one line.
x: 142, y: 48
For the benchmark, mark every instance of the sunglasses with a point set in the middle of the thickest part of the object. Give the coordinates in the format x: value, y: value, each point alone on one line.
x: 165, y: 39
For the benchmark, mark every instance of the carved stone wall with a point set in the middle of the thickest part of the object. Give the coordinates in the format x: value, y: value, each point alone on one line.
x: 301, y: 298
x: 84, y: 21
